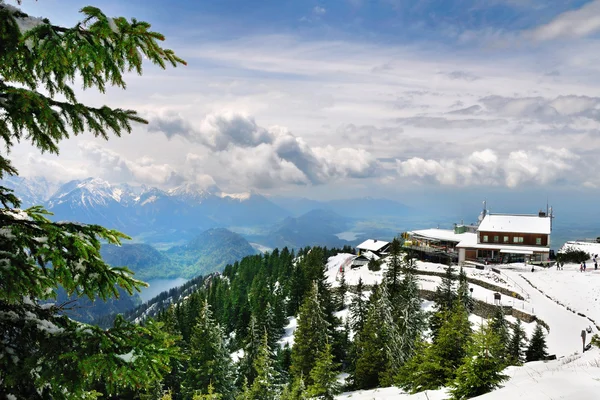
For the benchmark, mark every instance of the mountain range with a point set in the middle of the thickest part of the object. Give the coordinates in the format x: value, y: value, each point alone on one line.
x: 166, y: 218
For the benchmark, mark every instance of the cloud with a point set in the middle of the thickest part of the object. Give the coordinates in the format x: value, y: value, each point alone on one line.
x: 461, y: 75
x: 267, y: 156
x: 317, y: 10
x: 541, y: 166
x: 570, y: 24
x: 115, y: 167
x: 50, y: 169
x: 472, y: 110
x: 447, y: 123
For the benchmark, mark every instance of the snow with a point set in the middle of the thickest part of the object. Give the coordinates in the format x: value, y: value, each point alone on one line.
x: 128, y: 358
x: 515, y: 223
x: 393, y: 393
x: 590, y: 248
x: 372, y: 245
x: 236, y: 356
x: 444, y: 234
x: 236, y: 196
x: 288, y: 336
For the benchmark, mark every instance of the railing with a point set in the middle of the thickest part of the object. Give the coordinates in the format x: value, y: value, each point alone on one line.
x: 512, y: 282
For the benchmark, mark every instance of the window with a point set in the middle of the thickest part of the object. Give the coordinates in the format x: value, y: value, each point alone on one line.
x: 505, y: 239
x: 520, y: 239
x: 485, y: 238
x: 516, y: 239
x: 496, y: 239
x: 538, y: 241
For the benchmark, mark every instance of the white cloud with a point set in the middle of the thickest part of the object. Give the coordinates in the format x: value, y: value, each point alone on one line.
x: 571, y: 24
x: 115, y: 167
x: 540, y: 166
x: 318, y: 10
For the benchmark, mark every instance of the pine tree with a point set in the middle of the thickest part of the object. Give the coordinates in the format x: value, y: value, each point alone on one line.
x: 537, y: 350
x: 324, y: 376
x: 209, y: 362
x: 481, y: 371
x: 378, y: 345
x: 247, y: 373
x: 463, y: 292
x: 341, y: 291
x: 310, y: 336
x: 42, y: 353
x: 296, y: 390
x: 446, y: 353
x: 264, y: 387
x: 516, y: 346
x: 409, y: 316
x: 444, y: 298
x: 500, y: 326
x: 358, y: 308
x: 392, y: 275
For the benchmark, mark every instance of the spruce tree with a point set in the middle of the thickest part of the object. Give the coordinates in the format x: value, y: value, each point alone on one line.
x: 209, y: 363
x: 537, y: 350
x: 264, y: 386
x: 310, y: 336
x: 358, y: 308
x: 324, y: 376
x: 517, y: 344
x: 42, y: 353
x: 499, y: 325
x: 247, y: 373
x: 463, y: 292
x: 393, y: 274
x: 296, y: 390
x: 409, y: 316
x: 481, y: 371
x: 341, y: 291
x: 445, y: 295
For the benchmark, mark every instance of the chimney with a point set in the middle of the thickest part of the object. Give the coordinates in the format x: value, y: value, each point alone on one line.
x: 542, y: 214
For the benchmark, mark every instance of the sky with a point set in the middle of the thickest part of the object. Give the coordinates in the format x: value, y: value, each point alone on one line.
x: 445, y: 99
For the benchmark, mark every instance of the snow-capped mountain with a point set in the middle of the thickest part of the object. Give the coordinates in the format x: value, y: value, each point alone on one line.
x: 31, y: 191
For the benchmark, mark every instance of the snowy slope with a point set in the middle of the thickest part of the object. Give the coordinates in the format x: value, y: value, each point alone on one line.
x: 554, y: 296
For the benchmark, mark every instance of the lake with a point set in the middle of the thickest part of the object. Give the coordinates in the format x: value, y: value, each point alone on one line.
x: 157, y: 286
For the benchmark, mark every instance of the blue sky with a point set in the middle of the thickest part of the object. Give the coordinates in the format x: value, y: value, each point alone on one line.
x: 329, y: 99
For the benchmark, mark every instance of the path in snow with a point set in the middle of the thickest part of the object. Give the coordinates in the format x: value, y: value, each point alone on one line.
x: 565, y: 327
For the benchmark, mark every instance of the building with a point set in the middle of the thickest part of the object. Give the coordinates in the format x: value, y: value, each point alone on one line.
x: 378, y: 247
x: 504, y: 238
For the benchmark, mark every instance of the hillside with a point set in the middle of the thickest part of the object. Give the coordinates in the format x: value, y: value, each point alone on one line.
x: 208, y: 252
x: 147, y: 262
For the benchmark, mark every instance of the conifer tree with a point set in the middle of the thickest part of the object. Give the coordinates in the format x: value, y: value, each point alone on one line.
x: 409, y: 316
x: 500, y: 326
x: 264, y: 386
x: 209, y: 362
x: 392, y: 275
x: 247, y: 373
x: 481, y: 371
x: 517, y: 344
x: 324, y: 376
x: 358, y: 308
x: 341, y: 291
x: 44, y: 354
x: 310, y: 336
x: 463, y: 292
x: 537, y: 350
x: 444, y: 298
x: 448, y: 349
x: 296, y: 390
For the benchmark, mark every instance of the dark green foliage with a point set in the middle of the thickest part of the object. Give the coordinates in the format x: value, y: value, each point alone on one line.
x: 374, y: 265
x: 211, y: 251
x: 341, y: 291
x: 324, y: 376
x: 537, y: 350
x: 462, y: 291
x: 310, y: 336
x: 515, y: 349
x: 393, y: 273
x: 444, y: 298
x: 144, y: 260
x: 264, y: 386
x: 209, y: 362
x: 44, y: 354
x: 442, y: 358
x: 572, y: 256
x: 481, y: 371
x: 500, y: 327
x: 296, y: 390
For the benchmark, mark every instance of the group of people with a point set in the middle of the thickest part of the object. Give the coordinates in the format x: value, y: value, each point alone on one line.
x: 583, y: 267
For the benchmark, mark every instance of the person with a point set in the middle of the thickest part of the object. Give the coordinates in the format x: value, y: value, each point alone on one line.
x: 583, y: 333
x: 581, y: 267
x: 595, y: 261
x: 584, y: 266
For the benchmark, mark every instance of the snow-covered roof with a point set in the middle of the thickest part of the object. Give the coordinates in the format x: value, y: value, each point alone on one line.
x: 591, y: 248
x: 372, y: 245
x: 447, y: 235
x: 515, y: 223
